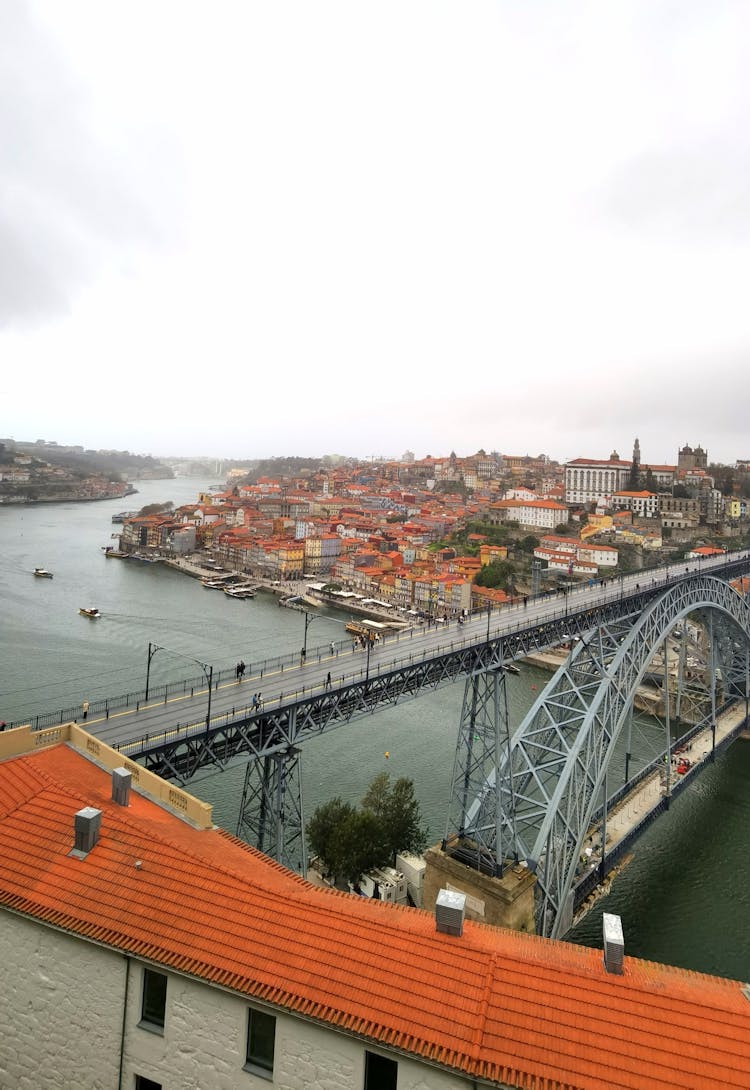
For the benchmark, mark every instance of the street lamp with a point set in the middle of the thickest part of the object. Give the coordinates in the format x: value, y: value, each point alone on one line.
x: 309, y: 618
x: 367, y: 667
x: 208, y: 671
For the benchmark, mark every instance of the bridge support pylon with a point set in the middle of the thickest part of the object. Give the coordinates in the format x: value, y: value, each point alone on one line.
x: 474, y: 832
x: 271, y: 812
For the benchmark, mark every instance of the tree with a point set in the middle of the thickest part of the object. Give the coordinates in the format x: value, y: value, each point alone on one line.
x: 634, y: 477
x: 157, y: 509
x: 496, y: 574
x: 324, y: 831
x: 360, y: 846
x: 351, y: 841
x: 528, y: 543
x: 398, y: 813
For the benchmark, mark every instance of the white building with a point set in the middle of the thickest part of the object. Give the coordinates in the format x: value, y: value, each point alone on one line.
x: 143, y: 949
x: 587, y: 480
x: 600, y: 556
x: 644, y: 504
x: 530, y: 514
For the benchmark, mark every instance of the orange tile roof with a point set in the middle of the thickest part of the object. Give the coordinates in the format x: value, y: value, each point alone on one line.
x: 492, y: 1004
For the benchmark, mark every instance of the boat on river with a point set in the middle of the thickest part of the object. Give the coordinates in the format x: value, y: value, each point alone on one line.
x: 239, y: 590
x: 42, y: 573
x: 89, y: 611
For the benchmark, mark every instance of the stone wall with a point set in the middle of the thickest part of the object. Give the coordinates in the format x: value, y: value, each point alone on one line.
x: 503, y: 902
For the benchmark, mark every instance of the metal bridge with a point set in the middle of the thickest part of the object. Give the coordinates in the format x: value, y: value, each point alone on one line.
x: 528, y: 793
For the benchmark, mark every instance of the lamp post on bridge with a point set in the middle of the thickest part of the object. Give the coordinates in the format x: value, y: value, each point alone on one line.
x: 207, y: 668
x: 309, y: 618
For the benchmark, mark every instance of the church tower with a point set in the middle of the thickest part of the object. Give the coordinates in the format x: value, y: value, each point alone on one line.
x: 636, y: 453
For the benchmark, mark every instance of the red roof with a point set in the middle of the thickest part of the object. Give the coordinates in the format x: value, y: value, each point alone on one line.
x: 492, y: 1004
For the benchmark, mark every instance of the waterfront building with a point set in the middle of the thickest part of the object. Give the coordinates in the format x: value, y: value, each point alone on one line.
x: 143, y: 948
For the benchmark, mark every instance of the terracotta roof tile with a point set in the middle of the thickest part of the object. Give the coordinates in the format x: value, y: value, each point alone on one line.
x: 492, y: 1004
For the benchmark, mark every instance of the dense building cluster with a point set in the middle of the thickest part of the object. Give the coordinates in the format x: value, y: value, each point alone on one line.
x: 388, y: 530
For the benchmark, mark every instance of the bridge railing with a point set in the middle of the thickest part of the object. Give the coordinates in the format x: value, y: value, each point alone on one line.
x: 574, y: 603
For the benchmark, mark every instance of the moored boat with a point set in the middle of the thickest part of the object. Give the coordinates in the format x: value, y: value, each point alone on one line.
x: 240, y: 590
x: 89, y: 611
x: 42, y: 573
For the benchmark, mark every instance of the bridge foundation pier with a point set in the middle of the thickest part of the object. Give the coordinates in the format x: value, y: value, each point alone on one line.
x: 506, y: 901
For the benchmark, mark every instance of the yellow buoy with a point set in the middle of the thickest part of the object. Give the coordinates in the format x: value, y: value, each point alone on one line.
x: 386, y: 754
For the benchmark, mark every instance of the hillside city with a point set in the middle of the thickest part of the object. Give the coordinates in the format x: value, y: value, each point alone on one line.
x: 444, y: 535
x: 438, y: 535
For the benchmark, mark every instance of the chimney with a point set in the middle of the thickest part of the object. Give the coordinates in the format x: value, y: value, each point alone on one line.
x: 449, y: 912
x: 86, y: 828
x: 120, y: 786
x: 614, y: 944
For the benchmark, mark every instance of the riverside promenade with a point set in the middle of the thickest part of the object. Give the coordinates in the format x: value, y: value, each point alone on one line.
x: 645, y: 801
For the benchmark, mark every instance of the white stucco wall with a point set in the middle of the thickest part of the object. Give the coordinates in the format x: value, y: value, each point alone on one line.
x: 204, y: 1045
x: 60, y: 1010
x: 61, y: 1013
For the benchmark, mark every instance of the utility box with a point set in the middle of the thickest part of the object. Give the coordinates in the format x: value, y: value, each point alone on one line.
x: 399, y: 881
x: 413, y: 868
x: 382, y: 886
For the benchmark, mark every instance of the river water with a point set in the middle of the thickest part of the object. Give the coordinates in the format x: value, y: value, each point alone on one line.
x: 685, y: 897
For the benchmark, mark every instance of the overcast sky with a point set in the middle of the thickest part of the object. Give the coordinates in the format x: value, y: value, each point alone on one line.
x: 251, y: 229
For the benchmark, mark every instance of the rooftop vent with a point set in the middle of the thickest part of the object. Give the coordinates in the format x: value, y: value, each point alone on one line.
x: 120, y: 786
x: 449, y: 912
x: 86, y: 828
x: 614, y: 944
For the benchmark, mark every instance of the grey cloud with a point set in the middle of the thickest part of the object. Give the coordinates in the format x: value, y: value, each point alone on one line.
x: 695, y: 193
x: 71, y: 197
x: 670, y: 403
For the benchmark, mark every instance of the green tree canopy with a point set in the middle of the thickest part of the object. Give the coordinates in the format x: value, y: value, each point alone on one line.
x: 528, y: 543
x: 397, y: 810
x: 323, y: 831
x: 351, y: 841
x: 497, y: 574
x: 157, y: 508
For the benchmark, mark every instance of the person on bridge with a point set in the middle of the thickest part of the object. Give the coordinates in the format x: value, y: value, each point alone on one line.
x: 328, y: 680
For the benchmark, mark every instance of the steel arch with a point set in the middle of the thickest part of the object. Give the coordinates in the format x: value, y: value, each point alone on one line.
x: 549, y: 779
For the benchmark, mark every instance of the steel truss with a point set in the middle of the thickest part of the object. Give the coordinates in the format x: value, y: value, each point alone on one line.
x: 482, y: 739
x: 271, y: 814
x: 538, y: 802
